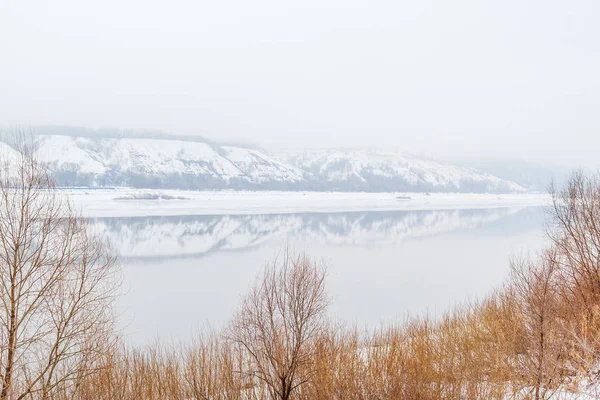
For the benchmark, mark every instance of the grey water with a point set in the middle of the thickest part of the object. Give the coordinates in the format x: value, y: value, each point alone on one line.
x: 182, y: 274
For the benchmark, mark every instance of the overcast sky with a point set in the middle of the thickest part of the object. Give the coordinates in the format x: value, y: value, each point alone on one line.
x: 509, y: 78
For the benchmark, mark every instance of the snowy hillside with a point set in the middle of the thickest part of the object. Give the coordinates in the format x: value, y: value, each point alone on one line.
x: 180, y: 163
x: 530, y: 175
x: 144, y: 162
x: 7, y: 155
x: 384, y: 171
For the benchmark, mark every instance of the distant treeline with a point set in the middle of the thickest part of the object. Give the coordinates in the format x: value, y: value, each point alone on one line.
x: 66, y: 177
x: 116, y: 133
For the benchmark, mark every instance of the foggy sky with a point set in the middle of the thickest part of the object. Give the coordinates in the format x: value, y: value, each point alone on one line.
x: 460, y: 78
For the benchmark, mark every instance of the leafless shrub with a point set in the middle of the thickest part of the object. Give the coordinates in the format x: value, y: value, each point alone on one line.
x: 278, y: 325
x: 210, y: 366
x: 535, y: 285
x: 575, y: 232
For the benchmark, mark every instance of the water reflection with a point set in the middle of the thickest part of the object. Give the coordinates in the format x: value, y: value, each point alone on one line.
x: 141, y: 238
x: 182, y: 273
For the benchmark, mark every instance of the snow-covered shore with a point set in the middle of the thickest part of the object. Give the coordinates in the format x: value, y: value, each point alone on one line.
x: 136, y: 202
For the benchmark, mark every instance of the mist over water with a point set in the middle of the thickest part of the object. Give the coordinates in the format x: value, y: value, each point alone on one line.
x: 185, y: 273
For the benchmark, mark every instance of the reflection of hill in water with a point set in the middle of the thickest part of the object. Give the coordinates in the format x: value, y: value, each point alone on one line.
x: 198, y: 235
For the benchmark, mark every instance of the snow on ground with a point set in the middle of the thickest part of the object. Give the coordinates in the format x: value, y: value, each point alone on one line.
x: 109, y: 203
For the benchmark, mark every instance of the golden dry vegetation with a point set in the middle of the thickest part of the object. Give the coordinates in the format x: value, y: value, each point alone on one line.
x: 538, y: 332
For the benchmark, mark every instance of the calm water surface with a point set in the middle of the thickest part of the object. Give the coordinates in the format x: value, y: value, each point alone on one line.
x: 187, y: 272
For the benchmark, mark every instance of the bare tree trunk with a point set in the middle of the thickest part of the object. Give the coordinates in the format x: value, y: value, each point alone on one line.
x: 8, y: 368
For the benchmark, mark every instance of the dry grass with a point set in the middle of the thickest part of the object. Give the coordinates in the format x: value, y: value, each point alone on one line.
x: 538, y: 332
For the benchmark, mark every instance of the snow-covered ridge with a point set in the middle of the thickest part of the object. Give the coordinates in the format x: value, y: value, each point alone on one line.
x: 143, y: 162
x: 178, y: 164
x: 364, y: 169
x: 7, y: 155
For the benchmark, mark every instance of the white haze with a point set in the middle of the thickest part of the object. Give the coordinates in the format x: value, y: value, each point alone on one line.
x: 465, y: 78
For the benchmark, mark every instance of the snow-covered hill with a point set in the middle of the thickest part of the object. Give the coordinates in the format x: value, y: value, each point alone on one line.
x: 144, y: 162
x: 7, y: 155
x: 180, y: 163
x: 384, y: 171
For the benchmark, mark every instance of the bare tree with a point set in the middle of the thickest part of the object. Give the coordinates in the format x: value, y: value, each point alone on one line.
x: 279, y: 323
x: 535, y: 286
x: 56, y: 284
x: 575, y: 232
